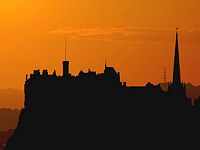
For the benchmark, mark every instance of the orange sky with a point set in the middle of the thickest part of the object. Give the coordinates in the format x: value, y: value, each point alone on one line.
x: 135, y: 36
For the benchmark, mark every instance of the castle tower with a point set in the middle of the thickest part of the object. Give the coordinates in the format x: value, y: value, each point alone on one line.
x: 176, y: 73
x: 65, y: 68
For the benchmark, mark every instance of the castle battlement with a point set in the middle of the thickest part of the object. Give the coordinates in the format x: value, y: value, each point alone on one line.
x: 109, y: 75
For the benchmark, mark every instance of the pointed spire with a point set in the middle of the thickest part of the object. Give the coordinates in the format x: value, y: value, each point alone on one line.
x: 176, y: 73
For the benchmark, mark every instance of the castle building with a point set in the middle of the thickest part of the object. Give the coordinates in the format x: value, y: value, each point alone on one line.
x: 93, y: 109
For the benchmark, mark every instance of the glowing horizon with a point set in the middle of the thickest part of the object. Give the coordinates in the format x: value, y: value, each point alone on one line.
x: 136, y: 37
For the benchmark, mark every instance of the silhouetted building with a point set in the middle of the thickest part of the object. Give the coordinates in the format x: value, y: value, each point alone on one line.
x: 93, y: 110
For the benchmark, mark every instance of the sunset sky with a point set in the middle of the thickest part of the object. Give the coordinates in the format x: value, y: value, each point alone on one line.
x: 137, y: 37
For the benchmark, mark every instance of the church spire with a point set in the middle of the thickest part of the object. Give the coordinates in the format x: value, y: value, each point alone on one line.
x: 176, y: 73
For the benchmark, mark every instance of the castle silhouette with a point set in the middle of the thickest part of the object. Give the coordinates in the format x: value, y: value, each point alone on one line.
x: 96, y: 111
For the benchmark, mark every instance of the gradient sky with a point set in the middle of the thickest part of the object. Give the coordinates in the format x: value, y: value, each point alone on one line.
x: 137, y: 37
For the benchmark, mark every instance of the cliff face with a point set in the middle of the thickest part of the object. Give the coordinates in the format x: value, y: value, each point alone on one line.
x: 74, y: 113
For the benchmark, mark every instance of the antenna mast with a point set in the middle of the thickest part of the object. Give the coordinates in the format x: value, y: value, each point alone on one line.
x: 65, y: 49
x: 165, y: 75
x: 65, y: 62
